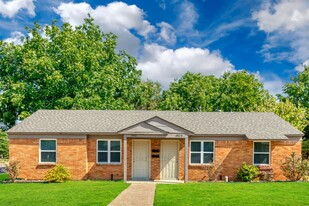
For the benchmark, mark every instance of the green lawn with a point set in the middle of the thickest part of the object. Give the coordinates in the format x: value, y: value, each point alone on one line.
x: 69, y: 193
x: 277, y: 193
x: 3, y: 176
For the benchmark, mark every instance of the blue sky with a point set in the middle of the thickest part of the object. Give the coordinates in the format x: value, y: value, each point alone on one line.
x: 268, y: 38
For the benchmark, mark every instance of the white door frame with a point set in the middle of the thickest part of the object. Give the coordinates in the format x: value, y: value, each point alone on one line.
x: 149, y: 154
x: 161, y: 156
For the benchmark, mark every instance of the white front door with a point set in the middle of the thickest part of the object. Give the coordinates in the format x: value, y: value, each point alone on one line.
x: 141, y: 159
x: 169, y: 159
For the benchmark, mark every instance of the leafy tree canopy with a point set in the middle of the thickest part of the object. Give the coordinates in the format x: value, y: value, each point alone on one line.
x: 239, y: 91
x: 66, y: 68
x: 298, y: 89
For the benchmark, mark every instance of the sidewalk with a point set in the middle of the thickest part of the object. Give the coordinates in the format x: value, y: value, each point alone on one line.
x: 137, y: 194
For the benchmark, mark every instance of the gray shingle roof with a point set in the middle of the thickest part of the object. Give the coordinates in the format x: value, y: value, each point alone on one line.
x: 255, y: 125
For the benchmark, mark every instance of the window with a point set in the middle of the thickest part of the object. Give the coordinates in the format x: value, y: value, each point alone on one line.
x: 108, y: 151
x: 261, y: 153
x: 48, y: 151
x: 202, y: 152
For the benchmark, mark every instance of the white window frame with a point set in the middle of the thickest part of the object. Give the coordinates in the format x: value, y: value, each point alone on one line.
x: 40, y: 152
x: 269, y: 156
x: 202, y: 152
x: 108, y: 151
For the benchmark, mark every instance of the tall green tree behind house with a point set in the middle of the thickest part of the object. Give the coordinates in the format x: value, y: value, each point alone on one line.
x: 192, y: 92
x: 4, y: 145
x: 238, y: 92
x: 66, y: 68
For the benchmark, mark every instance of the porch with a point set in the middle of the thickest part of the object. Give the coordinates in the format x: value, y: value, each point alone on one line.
x: 155, y: 150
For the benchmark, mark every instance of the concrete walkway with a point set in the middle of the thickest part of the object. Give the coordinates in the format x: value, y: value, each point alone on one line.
x: 137, y: 194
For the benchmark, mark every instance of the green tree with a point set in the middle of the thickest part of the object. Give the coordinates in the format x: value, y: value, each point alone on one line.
x: 295, y: 115
x: 4, y: 145
x: 66, y: 68
x: 150, y: 96
x: 298, y: 89
x: 192, y: 92
x: 239, y: 91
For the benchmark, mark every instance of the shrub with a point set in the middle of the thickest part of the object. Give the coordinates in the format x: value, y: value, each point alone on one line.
x: 12, y: 169
x: 4, y: 145
x: 266, y: 174
x: 305, y: 148
x: 57, y: 174
x: 247, y: 173
x: 294, y: 168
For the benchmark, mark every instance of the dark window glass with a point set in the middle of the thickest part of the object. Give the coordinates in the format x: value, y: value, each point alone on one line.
x: 261, y: 159
x: 115, y: 145
x: 102, y: 156
x: 195, y: 146
x: 195, y: 158
x: 208, y: 158
x: 48, y: 144
x: 48, y: 156
x: 115, y: 157
x: 261, y: 146
x: 208, y: 146
x: 102, y: 145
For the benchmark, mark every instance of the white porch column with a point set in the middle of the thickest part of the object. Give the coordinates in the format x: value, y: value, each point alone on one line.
x: 125, y: 158
x: 186, y: 157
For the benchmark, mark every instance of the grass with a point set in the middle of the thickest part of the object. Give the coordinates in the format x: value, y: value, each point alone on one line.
x: 69, y: 193
x: 3, y: 176
x: 276, y: 193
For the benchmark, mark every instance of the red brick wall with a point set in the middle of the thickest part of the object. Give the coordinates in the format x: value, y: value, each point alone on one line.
x: 79, y: 155
x: 229, y: 155
x: 181, y: 160
x: 102, y: 171
x: 70, y: 152
x: 155, y: 161
x: 280, y: 150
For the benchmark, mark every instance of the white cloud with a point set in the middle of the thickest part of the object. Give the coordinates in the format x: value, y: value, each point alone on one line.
x: 161, y: 64
x: 167, y: 33
x: 15, y: 38
x: 286, y: 24
x: 188, y: 17
x: 11, y: 8
x: 117, y: 17
x: 300, y: 68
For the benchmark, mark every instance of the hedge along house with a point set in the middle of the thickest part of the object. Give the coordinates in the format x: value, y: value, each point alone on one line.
x: 151, y: 145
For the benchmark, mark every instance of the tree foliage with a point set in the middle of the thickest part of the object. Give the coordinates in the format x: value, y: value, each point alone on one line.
x: 192, y: 92
x: 295, y: 115
x: 239, y: 91
x: 4, y: 145
x: 298, y: 89
x: 66, y: 68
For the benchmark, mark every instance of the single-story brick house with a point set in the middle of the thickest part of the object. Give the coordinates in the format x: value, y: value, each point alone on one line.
x: 151, y: 145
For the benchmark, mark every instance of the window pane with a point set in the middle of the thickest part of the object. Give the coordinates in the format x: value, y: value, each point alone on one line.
x: 208, y: 146
x: 208, y: 158
x: 195, y: 146
x: 48, y: 144
x: 48, y: 156
x: 261, y: 159
x: 115, y: 157
x: 102, y: 156
x: 261, y: 146
x: 102, y: 145
x: 115, y: 145
x: 196, y: 158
